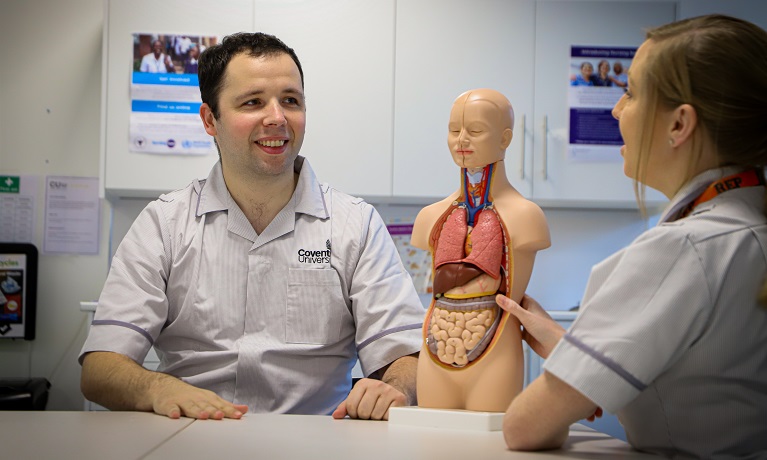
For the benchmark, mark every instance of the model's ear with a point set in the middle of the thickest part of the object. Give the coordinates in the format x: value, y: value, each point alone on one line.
x: 508, y: 134
x: 208, y: 120
x: 684, y: 120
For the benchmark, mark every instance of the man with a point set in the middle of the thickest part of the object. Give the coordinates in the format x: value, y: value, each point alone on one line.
x: 156, y: 61
x: 258, y: 287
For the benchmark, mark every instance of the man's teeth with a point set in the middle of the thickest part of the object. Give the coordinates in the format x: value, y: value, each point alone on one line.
x: 272, y: 143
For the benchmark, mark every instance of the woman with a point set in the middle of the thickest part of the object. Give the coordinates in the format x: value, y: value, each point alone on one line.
x: 671, y: 336
x: 602, y: 78
x: 585, y: 77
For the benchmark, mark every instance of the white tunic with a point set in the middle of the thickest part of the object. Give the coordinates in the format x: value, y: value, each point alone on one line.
x: 275, y: 321
x: 670, y: 336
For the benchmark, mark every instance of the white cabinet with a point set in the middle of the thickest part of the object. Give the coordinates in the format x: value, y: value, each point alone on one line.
x: 559, y: 25
x: 347, y: 53
x: 521, y: 48
x: 749, y: 10
x: 346, y: 50
x: 125, y: 173
x: 446, y: 47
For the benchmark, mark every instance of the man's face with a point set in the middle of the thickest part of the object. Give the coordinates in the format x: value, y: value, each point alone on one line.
x: 262, y: 116
x: 157, y: 48
x: 475, y: 134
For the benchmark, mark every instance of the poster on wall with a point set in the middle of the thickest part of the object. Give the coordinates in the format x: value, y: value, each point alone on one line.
x: 598, y: 79
x: 72, y: 215
x: 18, y: 290
x: 165, y: 95
x: 18, y: 207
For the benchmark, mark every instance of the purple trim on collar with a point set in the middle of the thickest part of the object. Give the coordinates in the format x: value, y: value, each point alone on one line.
x: 387, y: 332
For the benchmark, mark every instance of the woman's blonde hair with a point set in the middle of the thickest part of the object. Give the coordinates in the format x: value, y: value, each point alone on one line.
x: 718, y: 65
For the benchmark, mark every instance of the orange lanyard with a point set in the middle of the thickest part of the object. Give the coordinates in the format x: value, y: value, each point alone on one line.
x: 743, y: 179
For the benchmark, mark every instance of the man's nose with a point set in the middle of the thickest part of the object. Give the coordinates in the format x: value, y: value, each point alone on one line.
x: 275, y: 114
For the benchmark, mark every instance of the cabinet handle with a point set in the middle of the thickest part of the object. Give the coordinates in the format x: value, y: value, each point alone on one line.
x: 524, y: 136
x: 545, y: 147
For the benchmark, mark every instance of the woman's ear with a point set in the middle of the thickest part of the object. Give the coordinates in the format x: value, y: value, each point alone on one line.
x: 684, y: 121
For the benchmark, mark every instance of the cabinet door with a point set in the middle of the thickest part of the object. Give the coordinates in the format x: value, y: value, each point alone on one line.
x: 749, y: 10
x: 346, y: 50
x: 559, y: 25
x: 129, y: 173
x: 446, y: 47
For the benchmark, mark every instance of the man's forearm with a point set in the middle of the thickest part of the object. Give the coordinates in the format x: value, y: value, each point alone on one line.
x: 401, y: 374
x: 117, y: 382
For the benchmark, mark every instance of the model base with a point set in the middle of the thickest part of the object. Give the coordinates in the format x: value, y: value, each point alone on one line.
x: 446, y: 418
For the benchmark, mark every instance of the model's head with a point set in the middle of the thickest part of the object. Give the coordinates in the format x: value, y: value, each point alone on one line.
x: 480, y: 128
x: 714, y: 65
x: 617, y: 67
x: 214, y: 60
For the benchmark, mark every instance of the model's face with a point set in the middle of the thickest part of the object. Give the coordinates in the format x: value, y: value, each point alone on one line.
x: 157, y: 48
x: 262, y: 116
x: 604, y: 68
x: 475, y: 134
x: 586, y: 71
x: 630, y: 111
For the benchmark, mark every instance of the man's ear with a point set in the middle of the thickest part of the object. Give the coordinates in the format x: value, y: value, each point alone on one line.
x: 506, y: 137
x: 208, y: 120
x: 684, y: 121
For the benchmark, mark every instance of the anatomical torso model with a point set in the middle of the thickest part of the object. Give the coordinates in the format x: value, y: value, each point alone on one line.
x: 483, y: 239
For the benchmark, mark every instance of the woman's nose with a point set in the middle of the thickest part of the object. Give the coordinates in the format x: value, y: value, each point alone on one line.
x: 618, y: 108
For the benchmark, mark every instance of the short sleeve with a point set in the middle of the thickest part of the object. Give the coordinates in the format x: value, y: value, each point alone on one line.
x: 387, y: 311
x: 133, y: 306
x: 643, y: 307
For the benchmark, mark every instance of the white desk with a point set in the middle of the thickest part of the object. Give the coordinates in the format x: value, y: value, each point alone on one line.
x: 35, y: 435
x: 317, y: 437
x: 137, y: 435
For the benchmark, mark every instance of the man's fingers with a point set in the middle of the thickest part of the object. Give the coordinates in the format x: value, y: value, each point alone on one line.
x: 340, y: 411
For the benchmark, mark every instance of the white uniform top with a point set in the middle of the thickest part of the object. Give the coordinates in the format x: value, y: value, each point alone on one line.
x: 275, y: 321
x: 151, y: 64
x: 670, y: 336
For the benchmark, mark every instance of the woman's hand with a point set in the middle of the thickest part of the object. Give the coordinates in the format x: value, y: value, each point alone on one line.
x: 540, y: 331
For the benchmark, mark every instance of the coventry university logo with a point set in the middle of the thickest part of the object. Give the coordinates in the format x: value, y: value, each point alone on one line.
x: 308, y: 256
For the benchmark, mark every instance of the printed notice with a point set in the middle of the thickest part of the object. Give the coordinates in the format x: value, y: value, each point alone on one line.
x: 18, y: 199
x: 598, y: 79
x: 72, y: 215
x: 165, y: 95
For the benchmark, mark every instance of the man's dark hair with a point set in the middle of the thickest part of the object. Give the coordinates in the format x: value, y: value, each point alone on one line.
x: 213, y: 61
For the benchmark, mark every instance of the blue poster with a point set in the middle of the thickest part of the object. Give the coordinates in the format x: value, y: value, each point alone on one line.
x: 165, y: 95
x: 598, y: 79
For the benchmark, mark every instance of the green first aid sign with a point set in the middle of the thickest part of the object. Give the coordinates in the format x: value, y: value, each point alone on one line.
x: 9, y: 184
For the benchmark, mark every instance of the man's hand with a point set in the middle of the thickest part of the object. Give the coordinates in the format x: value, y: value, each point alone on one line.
x: 173, y: 398
x: 119, y: 383
x: 370, y: 399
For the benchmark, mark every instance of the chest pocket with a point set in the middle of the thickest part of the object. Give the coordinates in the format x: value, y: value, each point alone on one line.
x: 316, y: 311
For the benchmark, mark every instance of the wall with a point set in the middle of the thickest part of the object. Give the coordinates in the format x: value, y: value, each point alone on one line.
x: 50, y: 86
